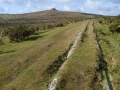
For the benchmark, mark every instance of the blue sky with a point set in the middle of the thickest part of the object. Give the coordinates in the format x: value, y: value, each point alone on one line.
x: 104, y: 7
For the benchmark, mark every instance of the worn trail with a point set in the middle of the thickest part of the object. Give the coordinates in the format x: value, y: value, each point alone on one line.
x: 91, y: 37
x: 106, y: 82
x: 24, y: 65
x: 53, y: 84
x: 80, y: 70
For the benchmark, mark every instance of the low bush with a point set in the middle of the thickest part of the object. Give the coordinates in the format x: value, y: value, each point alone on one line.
x: 114, y: 28
x: 18, y: 33
x: 100, y: 21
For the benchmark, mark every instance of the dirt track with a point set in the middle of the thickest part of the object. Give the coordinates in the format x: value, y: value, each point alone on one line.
x: 53, y: 84
x: 93, y: 43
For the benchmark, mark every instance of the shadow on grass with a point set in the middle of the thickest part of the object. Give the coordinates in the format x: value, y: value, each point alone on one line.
x: 2, y: 52
x: 109, y: 82
x: 103, y: 66
x: 33, y: 38
x: 44, y: 31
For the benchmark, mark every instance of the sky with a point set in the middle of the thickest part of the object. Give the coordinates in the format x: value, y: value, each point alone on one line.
x: 104, y: 7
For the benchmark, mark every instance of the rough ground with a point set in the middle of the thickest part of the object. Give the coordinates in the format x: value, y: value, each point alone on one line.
x: 80, y: 70
x: 23, y: 64
x: 65, y: 58
x: 54, y: 82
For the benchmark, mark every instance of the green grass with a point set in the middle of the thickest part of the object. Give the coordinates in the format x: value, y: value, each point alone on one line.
x: 79, y: 72
x: 22, y: 64
x: 111, y: 48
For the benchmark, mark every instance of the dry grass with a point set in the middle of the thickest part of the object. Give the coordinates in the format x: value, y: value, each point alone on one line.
x: 22, y: 64
x: 44, y: 16
x: 80, y: 70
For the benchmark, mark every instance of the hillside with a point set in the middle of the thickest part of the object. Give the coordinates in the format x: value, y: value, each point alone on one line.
x: 81, y: 55
x: 44, y: 16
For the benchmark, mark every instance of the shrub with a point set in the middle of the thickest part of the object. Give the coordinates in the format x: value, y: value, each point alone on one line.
x: 43, y: 27
x: 18, y: 33
x: 37, y: 28
x: 60, y: 25
x: 100, y: 21
x: 5, y: 33
x: 118, y: 30
x: 1, y: 42
x: 31, y: 30
x: 50, y: 26
x: 113, y: 28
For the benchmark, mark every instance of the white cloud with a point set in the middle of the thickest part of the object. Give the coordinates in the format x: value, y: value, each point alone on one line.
x: 2, y: 10
x: 63, y: 1
x: 28, y: 4
x: 114, y: 1
x: 8, y: 1
x: 81, y: 9
x: 6, y: 9
x: 100, y: 7
x: 93, y: 5
x: 107, y: 7
x: 36, y: 8
x: 26, y: 10
x: 66, y: 8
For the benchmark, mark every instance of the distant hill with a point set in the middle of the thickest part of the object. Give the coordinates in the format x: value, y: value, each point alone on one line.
x: 45, y: 16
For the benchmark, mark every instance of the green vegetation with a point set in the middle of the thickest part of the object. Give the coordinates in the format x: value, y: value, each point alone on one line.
x: 1, y: 42
x: 113, y: 23
x: 41, y: 43
x: 54, y: 67
x: 110, y: 46
x: 43, y: 16
x: 22, y: 65
x: 18, y: 33
x: 80, y: 71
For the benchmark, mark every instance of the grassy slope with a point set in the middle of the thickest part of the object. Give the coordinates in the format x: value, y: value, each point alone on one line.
x: 22, y: 64
x: 80, y: 70
x: 44, y: 16
x: 111, y: 49
x: 47, y: 14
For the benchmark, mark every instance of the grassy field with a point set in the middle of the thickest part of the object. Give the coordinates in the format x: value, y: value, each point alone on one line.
x: 111, y: 48
x: 79, y: 72
x: 33, y: 63
x: 22, y: 64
